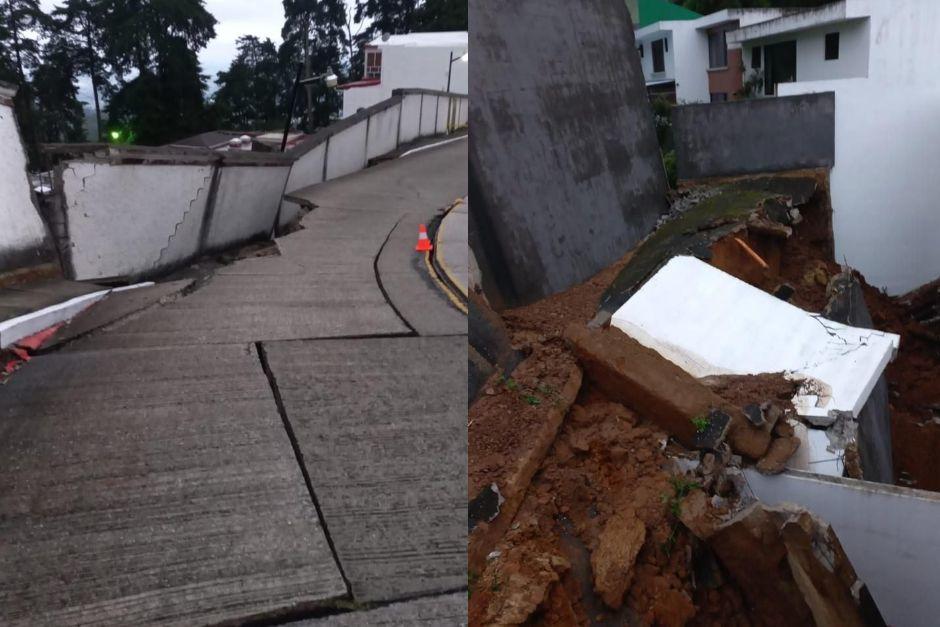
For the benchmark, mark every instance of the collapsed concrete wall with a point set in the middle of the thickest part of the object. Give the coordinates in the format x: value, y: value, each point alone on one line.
x: 753, y: 136
x: 565, y: 170
x: 24, y: 241
x: 888, y: 532
x: 350, y: 144
x: 133, y: 212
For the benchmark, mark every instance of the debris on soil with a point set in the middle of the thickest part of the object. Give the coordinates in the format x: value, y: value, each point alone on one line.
x: 617, y: 546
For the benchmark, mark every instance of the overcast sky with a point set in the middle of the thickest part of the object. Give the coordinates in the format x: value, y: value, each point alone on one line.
x: 261, y: 18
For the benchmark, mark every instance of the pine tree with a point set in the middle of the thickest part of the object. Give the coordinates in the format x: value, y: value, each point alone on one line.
x: 19, y: 55
x: 392, y: 17
x: 248, y: 94
x: 81, y: 23
x: 314, y: 36
x: 58, y: 114
x: 442, y: 15
x: 159, y: 39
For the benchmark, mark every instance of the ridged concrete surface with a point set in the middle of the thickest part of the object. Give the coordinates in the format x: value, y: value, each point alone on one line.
x: 381, y: 424
x: 449, y: 610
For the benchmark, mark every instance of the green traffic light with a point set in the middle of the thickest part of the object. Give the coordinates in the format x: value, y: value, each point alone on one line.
x: 115, y: 135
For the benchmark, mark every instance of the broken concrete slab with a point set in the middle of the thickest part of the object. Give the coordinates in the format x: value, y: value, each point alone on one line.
x: 448, y: 609
x: 711, y: 323
x: 23, y: 298
x: 14, y: 329
x: 116, y: 306
x: 381, y: 424
x: 698, y: 228
x: 141, y: 486
x: 638, y: 377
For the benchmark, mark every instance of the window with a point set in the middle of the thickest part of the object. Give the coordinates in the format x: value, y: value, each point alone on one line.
x: 659, y: 58
x: 717, y: 49
x: 640, y: 50
x: 373, y: 64
x: 719, y: 97
x: 832, y: 46
x: 755, y: 57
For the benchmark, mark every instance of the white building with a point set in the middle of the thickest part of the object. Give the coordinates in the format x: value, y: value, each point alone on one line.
x: 878, y: 57
x: 691, y: 60
x: 415, y: 60
x: 828, y: 42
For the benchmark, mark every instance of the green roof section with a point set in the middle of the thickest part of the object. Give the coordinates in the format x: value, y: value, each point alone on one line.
x: 651, y: 11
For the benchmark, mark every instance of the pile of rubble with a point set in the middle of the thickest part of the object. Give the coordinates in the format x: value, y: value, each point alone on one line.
x: 608, y: 473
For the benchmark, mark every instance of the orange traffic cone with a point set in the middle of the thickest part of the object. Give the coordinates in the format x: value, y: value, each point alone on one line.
x: 424, y: 244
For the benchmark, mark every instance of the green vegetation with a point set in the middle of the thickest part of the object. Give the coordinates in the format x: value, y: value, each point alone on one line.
x: 681, y: 487
x: 701, y: 423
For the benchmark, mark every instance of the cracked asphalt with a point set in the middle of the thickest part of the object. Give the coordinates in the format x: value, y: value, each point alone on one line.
x: 285, y: 443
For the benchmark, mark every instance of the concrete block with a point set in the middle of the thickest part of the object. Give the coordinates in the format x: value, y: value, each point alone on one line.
x: 245, y: 205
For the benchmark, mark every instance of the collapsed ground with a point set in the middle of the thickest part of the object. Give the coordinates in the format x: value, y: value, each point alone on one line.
x: 610, y: 471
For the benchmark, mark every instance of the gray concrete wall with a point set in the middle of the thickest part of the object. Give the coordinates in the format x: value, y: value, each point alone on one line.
x: 750, y: 136
x: 566, y: 174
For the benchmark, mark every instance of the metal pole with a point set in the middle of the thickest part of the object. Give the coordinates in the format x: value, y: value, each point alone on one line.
x: 450, y: 68
x: 290, y: 110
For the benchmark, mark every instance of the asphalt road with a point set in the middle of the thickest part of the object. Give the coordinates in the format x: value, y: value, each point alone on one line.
x: 285, y: 439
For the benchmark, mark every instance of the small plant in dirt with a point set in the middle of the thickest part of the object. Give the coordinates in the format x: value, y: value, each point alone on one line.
x: 701, y: 423
x: 510, y: 384
x: 532, y: 399
x: 681, y: 487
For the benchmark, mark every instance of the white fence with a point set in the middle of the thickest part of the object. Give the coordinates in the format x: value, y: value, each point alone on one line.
x: 134, y: 212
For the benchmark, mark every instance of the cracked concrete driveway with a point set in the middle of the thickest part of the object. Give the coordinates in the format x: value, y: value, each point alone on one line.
x: 287, y: 435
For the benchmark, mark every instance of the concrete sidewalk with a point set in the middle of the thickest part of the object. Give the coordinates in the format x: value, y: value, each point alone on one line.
x: 227, y: 456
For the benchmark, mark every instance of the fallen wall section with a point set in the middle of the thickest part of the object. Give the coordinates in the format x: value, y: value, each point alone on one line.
x: 565, y: 170
x: 24, y: 242
x: 753, y: 136
x: 888, y: 532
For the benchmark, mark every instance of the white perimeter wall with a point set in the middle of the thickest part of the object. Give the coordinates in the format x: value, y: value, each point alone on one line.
x: 21, y: 228
x: 889, y: 533
x: 131, y: 219
x: 884, y: 185
x: 246, y: 203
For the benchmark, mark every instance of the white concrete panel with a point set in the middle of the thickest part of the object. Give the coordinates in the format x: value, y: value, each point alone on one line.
x: 356, y: 98
x: 307, y: 170
x: 410, y: 116
x: 443, y: 115
x: 246, y: 203
x: 125, y: 220
x: 428, y: 111
x: 21, y: 228
x: 710, y: 323
x: 884, y: 185
x: 889, y: 533
x: 383, y: 132
x: 463, y: 109
x: 346, y: 152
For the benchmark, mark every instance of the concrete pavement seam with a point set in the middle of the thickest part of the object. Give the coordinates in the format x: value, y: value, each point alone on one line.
x: 298, y: 454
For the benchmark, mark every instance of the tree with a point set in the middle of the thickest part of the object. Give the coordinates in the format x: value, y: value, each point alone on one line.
x: 19, y: 54
x: 314, y: 37
x: 58, y: 114
x: 81, y: 22
x: 441, y: 15
x: 392, y: 17
x: 159, y: 39
x: 247, y: 98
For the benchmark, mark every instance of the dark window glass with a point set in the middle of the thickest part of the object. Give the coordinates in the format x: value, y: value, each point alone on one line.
x: 659, y: 59
x: 666, y: 44
x: 719, y: 97
x: 832, y: 46
x: 640, y: 50
x: 755, y: 57
x: 717, y: 49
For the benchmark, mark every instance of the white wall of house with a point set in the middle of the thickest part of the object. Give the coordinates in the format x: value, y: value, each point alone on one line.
x: 21, y: 228
x: 411, y: 66
x: 884, y: 184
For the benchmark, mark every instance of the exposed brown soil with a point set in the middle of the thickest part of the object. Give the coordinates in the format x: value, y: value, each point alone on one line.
x: 741, y: 390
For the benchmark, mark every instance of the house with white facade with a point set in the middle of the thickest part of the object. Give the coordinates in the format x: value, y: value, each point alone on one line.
x: 691, y: 60
x: 414, y: 60
x: 824, y: 43
x: 878, y: 58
